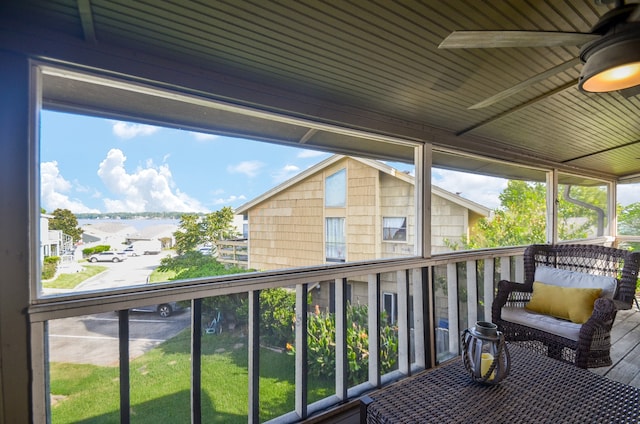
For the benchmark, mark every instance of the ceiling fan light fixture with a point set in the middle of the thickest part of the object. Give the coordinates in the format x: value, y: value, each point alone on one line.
x: 611, y: 66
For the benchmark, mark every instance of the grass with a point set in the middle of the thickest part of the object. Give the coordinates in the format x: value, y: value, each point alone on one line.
x: 160, y: 277
x: 70, y: 281
x: 160, y: 385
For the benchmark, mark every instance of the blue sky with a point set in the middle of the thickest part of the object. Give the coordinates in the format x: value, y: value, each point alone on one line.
x: 92, y: 164
x: 96, y: 165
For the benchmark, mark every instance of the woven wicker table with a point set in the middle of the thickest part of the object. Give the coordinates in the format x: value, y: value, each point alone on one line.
x: 538, y: 390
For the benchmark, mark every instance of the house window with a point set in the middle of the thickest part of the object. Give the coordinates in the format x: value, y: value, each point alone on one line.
x: 389, y: 304
x: 335, y: 190
x: 394, y: 229
x: 335, y: 244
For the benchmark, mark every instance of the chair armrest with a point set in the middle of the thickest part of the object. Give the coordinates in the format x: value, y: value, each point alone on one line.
x: 601, y: 320
x: 604, y: 310
x: 509, y: 293
x: 595, y: 333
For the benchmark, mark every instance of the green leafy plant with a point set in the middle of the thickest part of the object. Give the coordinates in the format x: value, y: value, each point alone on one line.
x: 195, y: 230
x: 277, y: 316
x: 95, y: 249
x: 193, y: 264
x: 50, y: 267
x: 321, y: 344
x: 65, y: 221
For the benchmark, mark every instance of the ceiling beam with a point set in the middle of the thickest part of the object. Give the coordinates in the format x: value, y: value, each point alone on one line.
x: 86, y: 18
x: 631, y: 143
x: 308, y: 135
x: 225, y: 86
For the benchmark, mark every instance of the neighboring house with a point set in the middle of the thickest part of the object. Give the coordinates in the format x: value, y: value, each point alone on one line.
x: 52, y: 242
x: 162, y: 233
x: 109, y: 233
x: 349, y: 209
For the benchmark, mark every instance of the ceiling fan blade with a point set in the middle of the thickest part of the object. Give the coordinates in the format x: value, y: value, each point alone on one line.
x: 492, y: 39
x: 526, y: 83
x: 630, y: 92
x: 635, y: 15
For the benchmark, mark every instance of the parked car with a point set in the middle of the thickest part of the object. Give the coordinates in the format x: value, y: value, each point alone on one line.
x: 206, y: 250
x: 163, y: 309
x: 108, y: 257
x: 130, y: 251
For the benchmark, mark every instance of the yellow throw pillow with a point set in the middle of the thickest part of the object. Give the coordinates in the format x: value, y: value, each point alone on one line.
x: 571, y: 303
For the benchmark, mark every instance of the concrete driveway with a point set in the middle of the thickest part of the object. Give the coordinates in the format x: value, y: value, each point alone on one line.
x: 93, y: 339
x: 134, y: 270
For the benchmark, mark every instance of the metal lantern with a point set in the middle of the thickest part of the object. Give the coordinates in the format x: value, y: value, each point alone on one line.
x: 485, y: 353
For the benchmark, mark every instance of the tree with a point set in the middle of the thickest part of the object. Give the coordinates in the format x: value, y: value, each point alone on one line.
x: 629, y: 222
x: 521, y: 217
x: 194, y: 230
x: 195, y: 265
x: 65, y: 221
x: 188, y: 235
x: 629, y: 219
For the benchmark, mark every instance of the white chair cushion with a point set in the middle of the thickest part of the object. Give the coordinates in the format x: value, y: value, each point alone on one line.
x: 559, y: 327
x: 564, y: 278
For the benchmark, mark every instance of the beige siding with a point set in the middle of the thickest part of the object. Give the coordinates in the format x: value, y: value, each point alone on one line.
x: 287, y: 230
x: 362, y: 211
x: 449, y: 221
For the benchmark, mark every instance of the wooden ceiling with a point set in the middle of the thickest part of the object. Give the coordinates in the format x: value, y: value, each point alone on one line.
x: 380, y: 57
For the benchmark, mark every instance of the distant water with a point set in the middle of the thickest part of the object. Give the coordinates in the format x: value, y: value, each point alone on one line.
x: 138, y: 224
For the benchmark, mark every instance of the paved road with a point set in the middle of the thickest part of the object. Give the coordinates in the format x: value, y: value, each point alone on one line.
x: 93, y: 339
x: 133, y: 271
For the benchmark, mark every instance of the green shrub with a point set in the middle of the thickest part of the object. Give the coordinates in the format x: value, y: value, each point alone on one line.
x: 321, y: 344
x: 277, y: 316
x: 50, y: 267
x: 193, y: 264
x: 95, y: 249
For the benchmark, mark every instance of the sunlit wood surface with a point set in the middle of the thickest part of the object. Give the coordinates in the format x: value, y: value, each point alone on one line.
x: 625, y: 352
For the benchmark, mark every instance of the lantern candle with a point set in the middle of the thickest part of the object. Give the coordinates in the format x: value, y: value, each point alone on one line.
x: 486, y: 361
x: 484, y: 347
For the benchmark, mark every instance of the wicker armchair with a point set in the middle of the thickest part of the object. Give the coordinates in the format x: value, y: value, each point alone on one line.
x: 592, y: 347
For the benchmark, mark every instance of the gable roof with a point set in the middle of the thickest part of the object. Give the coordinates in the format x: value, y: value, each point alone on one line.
x: 380, y: 166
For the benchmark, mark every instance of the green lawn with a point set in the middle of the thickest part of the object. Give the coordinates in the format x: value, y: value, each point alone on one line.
x: 160, y: 384
x: 160, y: 277
x: 69, y: 281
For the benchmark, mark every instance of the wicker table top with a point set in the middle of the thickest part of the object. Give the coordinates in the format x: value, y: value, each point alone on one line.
x: 538, y: 390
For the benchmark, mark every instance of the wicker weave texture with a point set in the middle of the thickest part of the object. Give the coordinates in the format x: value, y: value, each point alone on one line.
x: 594, y: 344
x: 538, y: 390
x: 591, y: 259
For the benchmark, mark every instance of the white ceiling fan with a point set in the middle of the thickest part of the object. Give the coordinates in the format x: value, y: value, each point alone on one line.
x: 610, y: 52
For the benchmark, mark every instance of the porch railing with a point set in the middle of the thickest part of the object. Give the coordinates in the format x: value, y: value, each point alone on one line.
x: 436, y: 299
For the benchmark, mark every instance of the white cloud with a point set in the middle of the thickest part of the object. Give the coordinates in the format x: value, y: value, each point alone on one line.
x: 628, y: 193
x: 53, y: 187
x: 310, y: 154
x: 285, y: 173
x: 478, y: 188
x: 148, y: 189
x: 127, y: 130
x: 229, y: 200
x: 249, y: 168
x: 203, y: 137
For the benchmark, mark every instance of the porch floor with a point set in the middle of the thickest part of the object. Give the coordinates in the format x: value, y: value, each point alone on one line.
x: 625, y: 354
x: 625, y: 349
